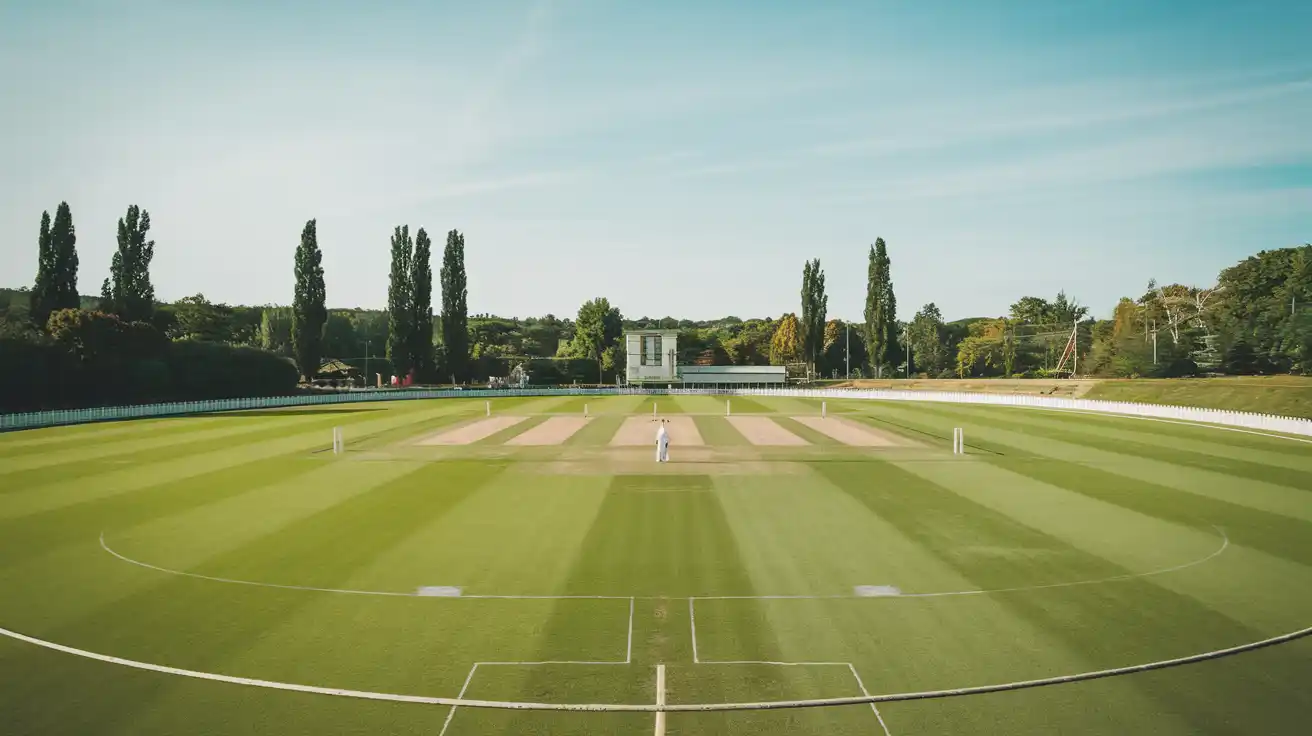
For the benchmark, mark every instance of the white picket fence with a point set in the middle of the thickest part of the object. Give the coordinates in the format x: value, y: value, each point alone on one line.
x: 1246, y: 420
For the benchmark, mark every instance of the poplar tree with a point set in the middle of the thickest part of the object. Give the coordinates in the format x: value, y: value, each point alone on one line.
x: 421, y: 327
x: 128, y: 291
x: 455, y: 306
x: 400, y: 303
x: 881, y: 310
x: 309, y: 312
x: 41, y: 300
x: 815, y: 304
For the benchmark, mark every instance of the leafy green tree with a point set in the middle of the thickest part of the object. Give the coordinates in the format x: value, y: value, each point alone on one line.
x: 597, y: 330
x: 815, y: 304
x: 309, y: 311
x: 276, y: 330
x: 199, y: 319
x: 400, y: 302
x: 128, y: 291
x: 340, y: 340
x: 455, y: 306
x: 928, y: 346
x: 1260, y: 303
x: 421, y: 328
x: 881, y: 311
x: 750, y: 345
x: 42, y: 295
x: 785, y: 344
x: 63, y: 240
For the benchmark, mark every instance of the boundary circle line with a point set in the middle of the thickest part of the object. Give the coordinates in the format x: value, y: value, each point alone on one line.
x: 1225, y: 544
x: 683, y: 707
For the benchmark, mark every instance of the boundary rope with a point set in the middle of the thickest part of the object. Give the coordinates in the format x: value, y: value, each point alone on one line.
x: 671, y: 708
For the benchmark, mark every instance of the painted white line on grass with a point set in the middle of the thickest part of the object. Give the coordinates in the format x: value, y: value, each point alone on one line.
x: 680, y: 708
x: 660, y: 700
x: 391, y: 593
x: 873, y: 707
x: 1225, y: 544
x: 628, y: 653
x: 692, y: 622
x: 469, y: 678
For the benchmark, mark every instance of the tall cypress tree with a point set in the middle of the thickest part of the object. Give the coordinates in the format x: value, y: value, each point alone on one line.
x: 421, y: 328
x: 400, y: 303
x: 815, y: 305
x: 41, y: 302
x: 309, y: 312
x: 128, y: 289
x: 455, y: 305
x: 63, y: 241
x: 881, y: 310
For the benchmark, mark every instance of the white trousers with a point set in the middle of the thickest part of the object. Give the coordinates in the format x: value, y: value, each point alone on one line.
x: 662, y: 452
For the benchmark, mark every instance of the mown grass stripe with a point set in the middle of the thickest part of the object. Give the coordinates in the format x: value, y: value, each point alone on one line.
x: 1071, y: 431
x: 1272, y: 533
x: 80, y: 522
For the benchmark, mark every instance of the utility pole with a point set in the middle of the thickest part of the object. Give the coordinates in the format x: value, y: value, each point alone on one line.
x: 1154, y: 347
x: 847, y: 359
x: 906, y: 338
x: 1075, y: 354
x: 367, y: 378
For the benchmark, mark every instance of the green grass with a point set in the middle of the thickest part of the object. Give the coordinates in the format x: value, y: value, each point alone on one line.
x: 1289, y: 396
x: 621, y: 557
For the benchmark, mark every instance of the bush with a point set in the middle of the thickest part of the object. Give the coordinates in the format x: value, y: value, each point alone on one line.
x: 95, y: 359
x: 206, y: 370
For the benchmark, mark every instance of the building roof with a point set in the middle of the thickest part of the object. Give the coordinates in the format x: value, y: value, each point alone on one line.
x: 728, y: 369
x: 652, y: 331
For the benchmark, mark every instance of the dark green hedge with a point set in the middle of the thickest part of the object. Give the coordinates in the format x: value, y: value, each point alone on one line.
x: 93, y: 359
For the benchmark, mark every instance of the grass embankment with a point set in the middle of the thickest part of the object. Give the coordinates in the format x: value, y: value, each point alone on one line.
x: 1046, y: 387
x: 1289, y: 396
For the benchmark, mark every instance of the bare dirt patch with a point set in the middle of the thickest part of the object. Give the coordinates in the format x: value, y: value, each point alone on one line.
x: 848, y: 432
x: 764, y: 431
x: 554, y: 431
x: 473, y: 432
x: 634, y: 432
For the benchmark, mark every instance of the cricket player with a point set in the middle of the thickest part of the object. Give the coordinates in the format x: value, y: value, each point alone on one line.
x: 662, y: 445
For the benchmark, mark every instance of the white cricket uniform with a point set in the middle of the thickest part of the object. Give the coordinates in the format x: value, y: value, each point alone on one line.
x: 662, y: 445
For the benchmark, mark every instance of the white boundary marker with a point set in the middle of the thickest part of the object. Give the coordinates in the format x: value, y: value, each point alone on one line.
x: 1225, y: 544
x: 660, y: 700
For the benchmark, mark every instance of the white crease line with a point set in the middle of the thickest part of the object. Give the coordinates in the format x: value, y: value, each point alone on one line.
x: 866, y: 693
x: 447, y: 723
x: 628, y: 656
x: 660, y: 700
x: 692, y: 622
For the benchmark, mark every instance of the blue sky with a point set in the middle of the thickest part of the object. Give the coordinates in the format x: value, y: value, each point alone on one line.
x: 679, y: 158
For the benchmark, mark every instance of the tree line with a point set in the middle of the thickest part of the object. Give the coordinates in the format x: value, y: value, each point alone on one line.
x: 128, y: 346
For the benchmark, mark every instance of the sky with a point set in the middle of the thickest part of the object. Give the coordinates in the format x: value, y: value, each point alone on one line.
x: 679, y: 158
